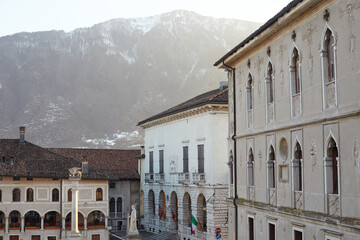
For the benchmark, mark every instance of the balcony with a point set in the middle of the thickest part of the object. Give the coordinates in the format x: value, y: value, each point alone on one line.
x: 159, y: 177
x: 149, y: 177
x: 183, y: 177
x: 198, y: 177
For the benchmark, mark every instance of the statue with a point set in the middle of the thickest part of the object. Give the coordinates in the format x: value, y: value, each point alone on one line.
x: 132, y: 228
x: 75, y: 172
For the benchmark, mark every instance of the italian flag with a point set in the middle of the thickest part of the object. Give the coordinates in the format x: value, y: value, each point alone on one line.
x: 194, y: 224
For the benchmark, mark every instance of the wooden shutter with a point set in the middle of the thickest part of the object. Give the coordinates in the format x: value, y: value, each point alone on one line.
x: 186, y: 159
x: 200, y: 158
x: 151, y: 162
x: 161, y: 161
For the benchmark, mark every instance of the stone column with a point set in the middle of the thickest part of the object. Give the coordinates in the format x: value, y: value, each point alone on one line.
x: 106, y: 222
x: 74, y: 209
x: 6, y: 224
x: 63, y: 224
x: 22, y: 227
x: 74, y: 177
x: 42, y: 223
x: 85, y: 223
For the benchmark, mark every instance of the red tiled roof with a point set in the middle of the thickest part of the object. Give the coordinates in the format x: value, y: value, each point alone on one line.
x: 30, y: 160
x: 216, y: 96
x: 111, y: 164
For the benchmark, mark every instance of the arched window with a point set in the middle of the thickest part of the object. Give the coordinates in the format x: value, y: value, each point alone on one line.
x: 16, y: 195
x: 187, y: 211
x: 297, y: 165
x: 329, y: 56
x: 69, y: 195
x: 201, y: 213
x: 55, y: 195
x: 32, y: 219
x: 119, y: 205
x: 332, y: 157
x: 295, y: 69
x: 249, y: 101
x: 151, y: 203
x: 29, y: 195
x: 99, y: 194
x: 250, y: 93
x: 112, y: 205
x: 250, y: 167
x: 271, y: 168
x: 328, y: 69
x: 269, y: 84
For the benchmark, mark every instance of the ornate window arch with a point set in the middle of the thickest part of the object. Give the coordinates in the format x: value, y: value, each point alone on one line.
x: 328, y: 64
x: 250, y: 168
x: 249, y: 100
x: 295, y: 82
x: 270, y: 95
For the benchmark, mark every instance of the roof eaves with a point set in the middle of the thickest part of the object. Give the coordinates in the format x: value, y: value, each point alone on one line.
x: 178, y: 111
x: 260, y: 30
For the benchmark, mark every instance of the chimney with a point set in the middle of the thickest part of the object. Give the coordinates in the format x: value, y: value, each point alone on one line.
x: 223, y: 85
x: 84, y: 165
x: 22, y: 135
x: 142, y: 150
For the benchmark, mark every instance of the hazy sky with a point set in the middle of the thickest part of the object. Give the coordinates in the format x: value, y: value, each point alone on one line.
x: 41, y: 15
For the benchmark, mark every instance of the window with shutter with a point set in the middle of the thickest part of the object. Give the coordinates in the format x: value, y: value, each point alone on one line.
x: 186, y: 159
x: 200, y: 158
x: 161, y: 161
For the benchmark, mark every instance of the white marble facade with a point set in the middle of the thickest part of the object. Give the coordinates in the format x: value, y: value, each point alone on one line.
x: 173, y: 192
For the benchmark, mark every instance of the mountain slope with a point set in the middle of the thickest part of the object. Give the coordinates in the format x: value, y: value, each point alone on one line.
x: 90, y: 87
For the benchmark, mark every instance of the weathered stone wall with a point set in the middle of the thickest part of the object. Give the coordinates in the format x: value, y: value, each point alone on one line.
x: 311, y: 118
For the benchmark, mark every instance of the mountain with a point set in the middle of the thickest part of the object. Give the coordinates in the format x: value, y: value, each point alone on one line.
x: 90, y: 87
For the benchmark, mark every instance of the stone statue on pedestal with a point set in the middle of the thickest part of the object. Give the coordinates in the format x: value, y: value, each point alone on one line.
x: 132, y: 232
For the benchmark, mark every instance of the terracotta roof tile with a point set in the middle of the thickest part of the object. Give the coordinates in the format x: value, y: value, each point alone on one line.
x: 111, y: 164
x: 30, y: 160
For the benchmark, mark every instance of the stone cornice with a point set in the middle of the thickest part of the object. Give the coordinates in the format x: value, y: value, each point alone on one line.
x: 187, y: 113
x: 352, y: 223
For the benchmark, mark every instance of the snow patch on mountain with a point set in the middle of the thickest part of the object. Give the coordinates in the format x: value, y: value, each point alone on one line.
x: 144, y: 24
x: 116, y: 137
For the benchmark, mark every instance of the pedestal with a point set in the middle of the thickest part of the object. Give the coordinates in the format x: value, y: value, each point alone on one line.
x: 133, y: 237
x: 75, y: 236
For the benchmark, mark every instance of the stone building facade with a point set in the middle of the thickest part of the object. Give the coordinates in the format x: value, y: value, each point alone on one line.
x: 185, y: 167
x: 39, y: 194
x: 295, y: 125
x: 121, y: 167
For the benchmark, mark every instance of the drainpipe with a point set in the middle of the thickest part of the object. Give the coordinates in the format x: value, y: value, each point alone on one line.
x: 61, y: 221
x: 235, y: 151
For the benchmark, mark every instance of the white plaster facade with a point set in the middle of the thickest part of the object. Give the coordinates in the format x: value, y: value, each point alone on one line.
x: 46, y: 228
x: 308, y: 188
x: 171, y: 191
